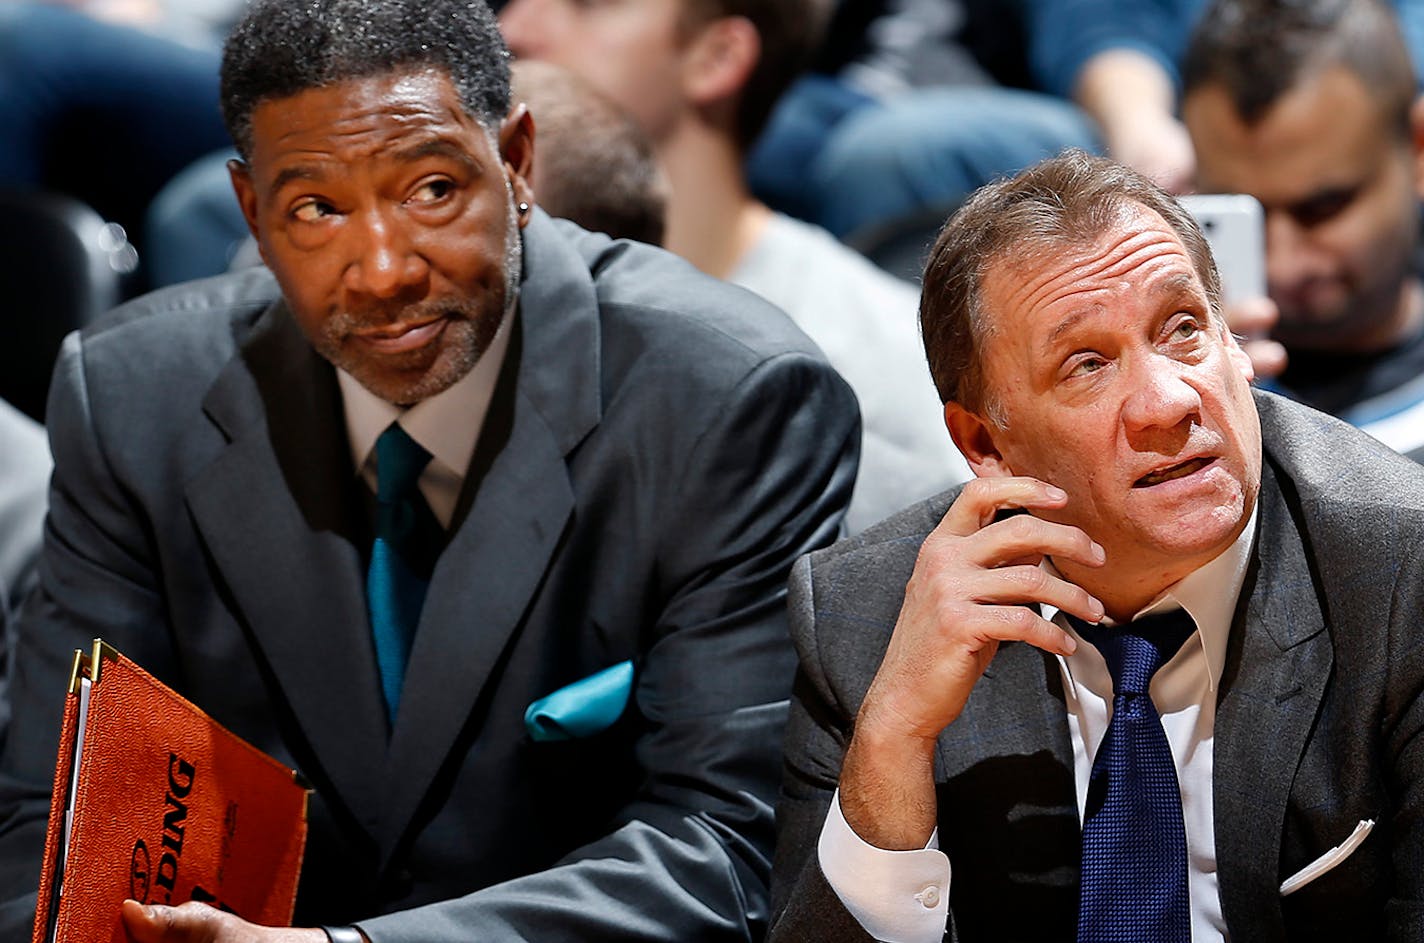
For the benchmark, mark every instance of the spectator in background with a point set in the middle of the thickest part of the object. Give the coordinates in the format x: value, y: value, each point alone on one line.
x: 1306, y: 105
x: 912, y: 105
x: 595, y: 166
x: 24, y: 484
x: 106, y: 101
x: 1119, y: 60
x: 701, y: 78
x: 24, y: 481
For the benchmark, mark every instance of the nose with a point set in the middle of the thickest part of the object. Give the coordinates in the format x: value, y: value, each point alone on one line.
x: 1161, y: 397
x: 384, y: 262
x: 525, y: 25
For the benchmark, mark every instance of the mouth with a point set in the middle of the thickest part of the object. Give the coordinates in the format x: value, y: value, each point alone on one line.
x: 398, y: 338
x: 1173, y: 472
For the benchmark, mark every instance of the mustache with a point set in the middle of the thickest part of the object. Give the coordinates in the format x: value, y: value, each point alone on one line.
x: 403, y: 313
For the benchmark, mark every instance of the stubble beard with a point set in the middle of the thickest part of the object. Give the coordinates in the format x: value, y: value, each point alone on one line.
x: 469, y: 329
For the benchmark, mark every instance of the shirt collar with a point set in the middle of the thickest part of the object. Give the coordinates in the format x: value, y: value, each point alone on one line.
x: 1209, y: 594
x: 447, y: 425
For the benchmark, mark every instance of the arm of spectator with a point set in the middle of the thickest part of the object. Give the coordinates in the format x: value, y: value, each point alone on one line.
x: 1132, y: 98
x: 1118, y: 60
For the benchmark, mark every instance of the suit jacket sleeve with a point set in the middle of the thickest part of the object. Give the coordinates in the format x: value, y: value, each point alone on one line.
x: 689, y: 857
x: 804, y: 905
x: 97, y: 578
x: 1403, y: 732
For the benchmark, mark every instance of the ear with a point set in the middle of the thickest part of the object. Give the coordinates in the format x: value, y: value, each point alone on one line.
x: 516, y: 150
x: 974, y: 436
x: 240, y: 173
x: 719, y: 60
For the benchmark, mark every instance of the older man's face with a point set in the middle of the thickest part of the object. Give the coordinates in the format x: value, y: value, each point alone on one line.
x: 1119, y: 387
x: 386, y: 214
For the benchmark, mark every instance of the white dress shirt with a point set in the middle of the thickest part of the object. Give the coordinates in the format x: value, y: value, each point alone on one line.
x: 447, y: 425
x: 903, y: 896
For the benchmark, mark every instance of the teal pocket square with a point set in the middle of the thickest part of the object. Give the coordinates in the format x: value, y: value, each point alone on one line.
x: 586, y: 707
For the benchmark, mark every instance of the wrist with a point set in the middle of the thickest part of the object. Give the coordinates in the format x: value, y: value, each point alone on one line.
x: 887, y: 789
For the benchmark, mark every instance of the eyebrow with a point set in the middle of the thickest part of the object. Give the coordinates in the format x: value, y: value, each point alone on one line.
x: 295, y: 172
x: 1178, y: 284
x: 437, y: 147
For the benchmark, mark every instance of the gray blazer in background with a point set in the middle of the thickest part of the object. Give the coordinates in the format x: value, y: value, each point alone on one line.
x: 1319, y: 724
x: 659, y: 450
x: 24, y: 480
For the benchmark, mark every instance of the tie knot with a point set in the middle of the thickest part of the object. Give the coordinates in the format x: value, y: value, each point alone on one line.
x: 1135, y: 651
x: 399, y: 462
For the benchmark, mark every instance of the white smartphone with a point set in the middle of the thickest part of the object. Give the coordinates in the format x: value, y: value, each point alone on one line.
x: 1234, y: 225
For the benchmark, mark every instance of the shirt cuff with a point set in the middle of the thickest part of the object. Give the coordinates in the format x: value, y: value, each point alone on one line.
x: 896, y: 896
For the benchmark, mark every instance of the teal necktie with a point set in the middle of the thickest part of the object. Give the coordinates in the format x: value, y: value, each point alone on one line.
x: 408, y: 540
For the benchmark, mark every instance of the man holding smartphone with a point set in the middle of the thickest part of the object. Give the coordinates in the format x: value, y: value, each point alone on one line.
x: 1307, y: 107
x: 1156, y: 673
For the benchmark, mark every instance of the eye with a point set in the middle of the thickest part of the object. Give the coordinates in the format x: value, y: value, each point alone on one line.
x: 312, y: 211
x: 1186, y: 328
x: 1087, y: 365
x: 1324, y: 206
x: 432, y: 191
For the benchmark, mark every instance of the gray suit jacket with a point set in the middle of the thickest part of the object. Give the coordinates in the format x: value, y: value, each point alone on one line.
x: 1320, y: 717
x: 659, y: 449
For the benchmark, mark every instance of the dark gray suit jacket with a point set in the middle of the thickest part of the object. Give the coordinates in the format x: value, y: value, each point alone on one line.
x: 1320, y: 717
x: 659, y: 450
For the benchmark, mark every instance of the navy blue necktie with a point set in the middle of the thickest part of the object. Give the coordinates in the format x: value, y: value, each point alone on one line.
x: 407, y: 542
x: 1133, y: 880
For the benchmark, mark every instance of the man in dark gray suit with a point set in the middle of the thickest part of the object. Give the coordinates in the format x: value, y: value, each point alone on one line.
x: 950, y: 712
x: 625, y: 457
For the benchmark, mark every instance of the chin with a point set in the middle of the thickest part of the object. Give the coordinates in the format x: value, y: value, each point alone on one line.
x: 1202, y: 533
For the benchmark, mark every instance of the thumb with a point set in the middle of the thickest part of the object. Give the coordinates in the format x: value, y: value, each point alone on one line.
x: 155, y: 923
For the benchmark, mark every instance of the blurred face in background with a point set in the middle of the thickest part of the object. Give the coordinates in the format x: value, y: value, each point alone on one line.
x: 630, y: 50
x: 1340, y: 183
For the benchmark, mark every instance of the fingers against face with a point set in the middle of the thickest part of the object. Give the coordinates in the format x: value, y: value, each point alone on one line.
x: 989, y: 561
x: 974, y: 585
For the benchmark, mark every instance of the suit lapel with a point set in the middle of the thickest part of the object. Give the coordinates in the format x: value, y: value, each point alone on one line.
x: 279, y: 512
x: 513, y: 513
x: 1278, y: 661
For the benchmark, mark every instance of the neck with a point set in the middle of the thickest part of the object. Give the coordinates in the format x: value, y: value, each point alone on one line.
x: 1125, y: 589
x: 712, y: 219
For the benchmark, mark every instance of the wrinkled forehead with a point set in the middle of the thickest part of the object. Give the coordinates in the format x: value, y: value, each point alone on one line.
x: 361, y: 114
x: 1134, y: 249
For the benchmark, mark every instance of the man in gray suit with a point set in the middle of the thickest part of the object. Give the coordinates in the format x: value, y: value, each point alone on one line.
x: 950, y: 711
x: 623, y: 458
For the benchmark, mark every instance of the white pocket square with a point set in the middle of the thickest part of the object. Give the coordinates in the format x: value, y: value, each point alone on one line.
x: 1328, y: 860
